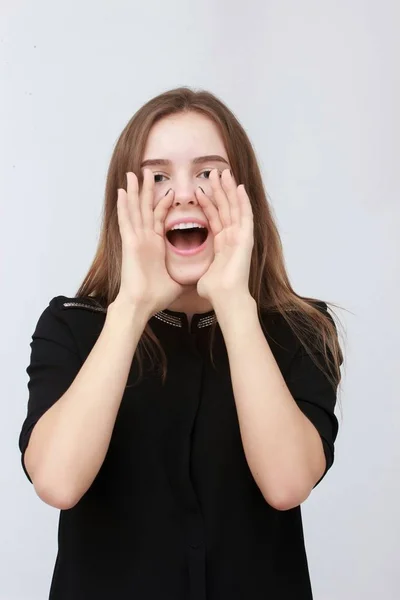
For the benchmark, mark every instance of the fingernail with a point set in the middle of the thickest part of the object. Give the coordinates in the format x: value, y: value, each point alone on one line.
x: 168, y: 191
x: 202, y: 189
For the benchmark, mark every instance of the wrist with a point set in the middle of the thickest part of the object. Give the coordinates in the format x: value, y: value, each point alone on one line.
x: 235, y: 307
x: 126, y: 309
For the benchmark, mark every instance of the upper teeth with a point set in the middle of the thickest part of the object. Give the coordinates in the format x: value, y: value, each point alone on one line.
x: 187, y: 226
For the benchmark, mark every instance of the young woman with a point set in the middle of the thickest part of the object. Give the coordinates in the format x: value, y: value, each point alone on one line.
x: 181, y: 404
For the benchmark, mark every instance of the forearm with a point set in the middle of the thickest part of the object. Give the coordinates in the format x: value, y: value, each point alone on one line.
x: 283, y: 449
x: 70, y: 441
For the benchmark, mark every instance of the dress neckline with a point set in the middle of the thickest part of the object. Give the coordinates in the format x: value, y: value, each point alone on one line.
x: 179, y: 319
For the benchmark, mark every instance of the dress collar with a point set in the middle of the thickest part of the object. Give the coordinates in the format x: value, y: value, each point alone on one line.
x: 179, y: 319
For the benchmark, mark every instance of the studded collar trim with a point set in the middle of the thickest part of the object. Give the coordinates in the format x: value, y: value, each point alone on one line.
x: 177, y: 319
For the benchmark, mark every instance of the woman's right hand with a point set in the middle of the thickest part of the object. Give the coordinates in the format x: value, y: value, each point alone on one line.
x: 145, y: 281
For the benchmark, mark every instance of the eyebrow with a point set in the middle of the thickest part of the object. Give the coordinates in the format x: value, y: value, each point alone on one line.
x: 152, y: 162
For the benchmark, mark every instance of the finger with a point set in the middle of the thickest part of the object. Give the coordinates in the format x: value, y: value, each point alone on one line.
x: 161, y: 211
x: 246, y: 211
x: 210, y: 210
x: 220, y: 198
x: 230, y: 189
x: 147, y: 199
x: 124, y: 222
x: 133, y: 200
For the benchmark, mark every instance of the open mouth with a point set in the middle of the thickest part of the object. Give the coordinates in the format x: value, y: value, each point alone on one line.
x: 187, y: 239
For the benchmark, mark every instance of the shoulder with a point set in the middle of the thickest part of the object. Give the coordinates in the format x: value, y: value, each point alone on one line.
x: 281, y: 319
x: 63, y: 304
x: 72, y: 321
x: 281, y: 329
x: 75, y: 309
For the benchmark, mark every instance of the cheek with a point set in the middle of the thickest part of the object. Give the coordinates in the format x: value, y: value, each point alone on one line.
x: 207, y: 188
x: 160, y: 191
x: 206, y: 185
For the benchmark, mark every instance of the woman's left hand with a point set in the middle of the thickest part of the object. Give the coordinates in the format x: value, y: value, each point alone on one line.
x: 231, y: 221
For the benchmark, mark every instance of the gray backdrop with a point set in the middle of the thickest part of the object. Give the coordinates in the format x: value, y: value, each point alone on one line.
x: 316, y: 85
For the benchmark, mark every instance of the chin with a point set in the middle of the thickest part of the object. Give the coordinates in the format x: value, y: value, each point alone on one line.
x: 188, y: 274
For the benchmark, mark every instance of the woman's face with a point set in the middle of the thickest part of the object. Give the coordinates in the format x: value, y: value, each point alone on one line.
x: 181, y: 151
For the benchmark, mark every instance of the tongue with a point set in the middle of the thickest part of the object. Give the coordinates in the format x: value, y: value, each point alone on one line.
x: 186, y: 240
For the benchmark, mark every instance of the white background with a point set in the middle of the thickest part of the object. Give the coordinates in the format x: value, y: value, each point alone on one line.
x: 317, y: 87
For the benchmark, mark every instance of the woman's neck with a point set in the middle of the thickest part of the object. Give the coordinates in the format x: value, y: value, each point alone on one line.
x: 190, y: 303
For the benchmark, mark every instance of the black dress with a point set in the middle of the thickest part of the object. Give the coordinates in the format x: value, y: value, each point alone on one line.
x: 174, y: 512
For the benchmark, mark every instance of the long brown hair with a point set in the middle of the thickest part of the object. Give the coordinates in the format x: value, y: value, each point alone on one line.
x: 268, y: 282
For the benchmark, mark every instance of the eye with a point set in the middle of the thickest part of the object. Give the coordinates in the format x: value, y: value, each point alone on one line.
x: 157, y: 177
x: 207, y: 172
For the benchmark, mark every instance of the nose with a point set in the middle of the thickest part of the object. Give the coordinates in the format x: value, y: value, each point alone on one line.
x: 184, y: 194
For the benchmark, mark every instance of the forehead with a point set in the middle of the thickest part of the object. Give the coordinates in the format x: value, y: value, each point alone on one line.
x: 183, y: 137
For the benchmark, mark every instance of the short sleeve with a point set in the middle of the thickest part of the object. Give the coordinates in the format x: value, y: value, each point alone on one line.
x: 54, y: 364
x: 316, y: 396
